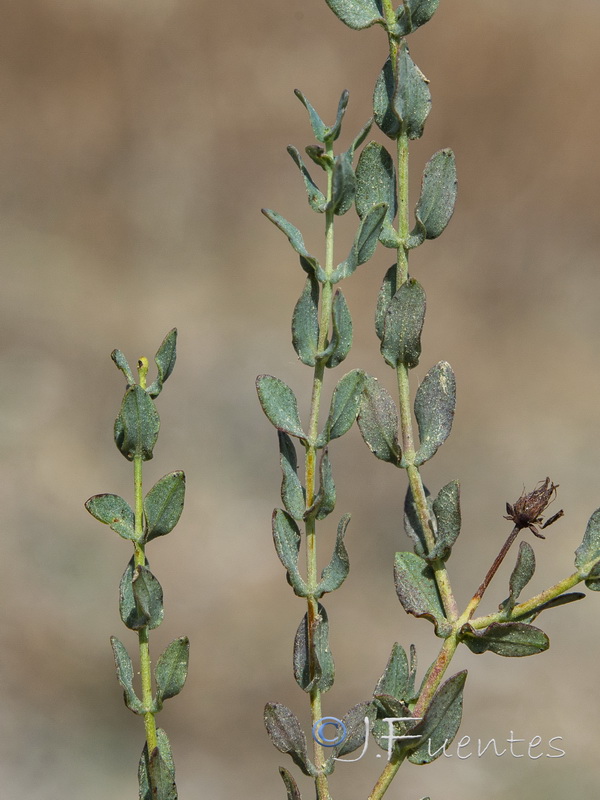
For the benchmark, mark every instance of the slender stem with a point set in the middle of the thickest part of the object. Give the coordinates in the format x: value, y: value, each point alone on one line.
x: 476, y: 599
x: 321, y: 781
x: 140, y: 561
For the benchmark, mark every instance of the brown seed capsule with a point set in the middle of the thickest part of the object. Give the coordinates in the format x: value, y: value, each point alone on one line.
x: 528, y: 509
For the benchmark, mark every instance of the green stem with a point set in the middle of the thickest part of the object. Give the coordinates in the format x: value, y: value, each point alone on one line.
x: 312, y: 578
x: 140, y: 561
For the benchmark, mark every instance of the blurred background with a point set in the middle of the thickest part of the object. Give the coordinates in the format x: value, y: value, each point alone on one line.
x: 138, y: 141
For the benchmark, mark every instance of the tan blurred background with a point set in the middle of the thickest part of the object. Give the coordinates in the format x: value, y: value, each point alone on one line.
x: 138, y: 141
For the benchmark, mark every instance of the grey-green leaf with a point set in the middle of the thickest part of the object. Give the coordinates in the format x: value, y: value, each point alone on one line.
x: 364, y: 243
x: 316, y: 198
x: 354, y: 722
x: 587, y: 554
x: 156, y: 772
x: 446, y: 509
x: 305, y: 323
x: 280, y: 405
x: 438, y: 194
x: 119, y: 358
x: 286, y: 734
x: 336, y: 572
x: 412, y: 521
x: 341, y: 340
x: 395, y: 678
x: 523, y: 571
x: 435, y: 401
x: 384, y: 112
x: 344, y: 406
x: 401, y: 343
x: 125, y: 675
x: 140, y: 598
x: 386, y: 292
x: 357, y: 14
x: 286, y: 537
x: 324, y: 501
x: 411, y: 14
x: 412, y: 98
x: 417, y: 590
x: 510, y: 639
x: 172, y: 668
x: 292, y: 491
x: 376, y: 183
x: 163, y: 504
x: 293, y: 793
x: 313, y: 665
x: 115, y: 512
x: 441, y: 722
x: 344, y: 184
x: 137, y: 425
x: 165, y: 361
x: 294, y: 236
x: 378, y: 421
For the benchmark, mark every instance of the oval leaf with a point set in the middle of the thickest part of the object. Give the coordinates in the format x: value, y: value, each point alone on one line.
x: 286, y: 536
x: 376, y: 183
x: 172, y: 668
x: 125, y: 675
x: 115, y: 512
x: 357, y: 14
x: 165, y: 362
x: 344, y: 406
x: 292, y: 491
x: 414, y: 13
x: 412, y: 98
x: 378, y: 421
x: 163, y: 505
x: 280, y: 405
x: 417, y: 590
x: 313, y: 662
x: 510, y: 639
x: 305, y: 323
x: 441, y: 722
x: 140, y: 598
x: 438, y: 194
x: 434, y: 409
x: 136, y: 427
x: 401, y: 343
x: 446, y: 509
x: 286, y: 734
x: 336, y: 572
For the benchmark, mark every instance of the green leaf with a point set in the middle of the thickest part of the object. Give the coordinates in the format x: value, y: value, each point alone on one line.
x: 401, y: 343
x: 280, y: 405
x: 441, y: 721
x: 163, y: 505
x: 324, y: 133
x: 354, y: 722
x: 434, y: 409
x: 376, y: 183
x: 417, y: 590
x: 587, y: 554
x: 446, y: 510
x: 140, y: 598
x: 438, y: 194
x: 309, y: 263
x: 115, y: 512
x: 156, y: 772
x: 336, y: 572
x: 357, y: 14
x: 341, y: 340
x: 172, y: 668
x: 412, y: 98
x: 286, y: 734
x: 344, y: 406
x: 386, y: 292
x: 561, y: 600
x: 344, y: 184
x: 136, y: 427
x: 292, y: 491
x: 313, y: 662
x: 165, y: 361
x: 378, y: 421
x: 510, y: 639
x: 384, y: 112
x: 293, y: 793
x: 305, y: 323
x: 316, y: 198
x: 523, y: 571
x: 364, y: 244
x: 411, y: 14
x: 412, y: 522
x: 122, y: 363
x: 395, y: 678
x: 286, y: 536
x: 125, y: 675
x: 324, y: 501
